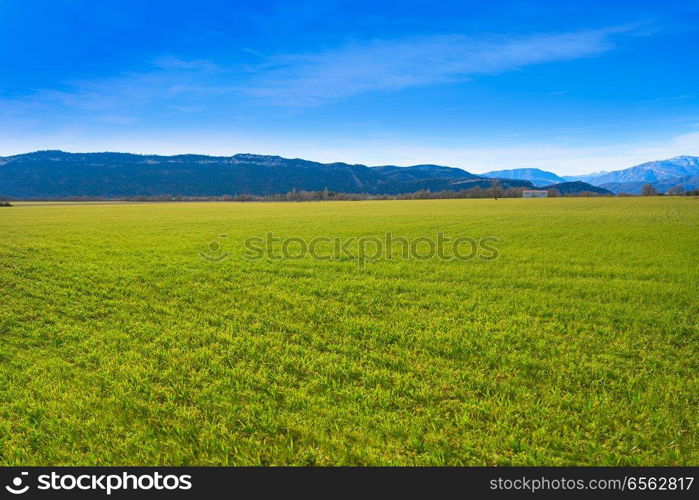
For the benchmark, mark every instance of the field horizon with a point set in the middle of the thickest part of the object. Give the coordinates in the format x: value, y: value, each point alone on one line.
x: 140, y: 334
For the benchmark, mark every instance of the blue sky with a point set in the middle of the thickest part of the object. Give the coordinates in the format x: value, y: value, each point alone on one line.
x: 571, y: 87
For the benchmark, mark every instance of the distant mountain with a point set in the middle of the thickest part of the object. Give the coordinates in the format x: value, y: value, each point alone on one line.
x: 687, y: 183
x: 584, y: 177
x: 534, y: 175
x: 57, y: 174
x: 650, y: 172
x: 577, y: 187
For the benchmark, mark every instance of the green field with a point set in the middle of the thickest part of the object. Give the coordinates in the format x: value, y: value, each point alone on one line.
x: 120, y: 345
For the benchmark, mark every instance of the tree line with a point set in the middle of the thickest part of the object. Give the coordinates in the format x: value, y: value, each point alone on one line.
x: 326, y: 195
x: 495, y: 190
x: 650, y: 190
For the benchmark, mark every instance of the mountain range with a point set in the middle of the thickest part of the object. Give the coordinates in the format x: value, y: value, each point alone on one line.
x: 681, y: 171
x: 58, y: 174
x: 576, y: 187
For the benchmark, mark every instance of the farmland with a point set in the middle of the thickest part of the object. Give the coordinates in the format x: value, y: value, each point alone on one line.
x: 123, y: 343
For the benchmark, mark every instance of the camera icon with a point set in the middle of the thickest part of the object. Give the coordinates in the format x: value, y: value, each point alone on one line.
x: 16, y: 487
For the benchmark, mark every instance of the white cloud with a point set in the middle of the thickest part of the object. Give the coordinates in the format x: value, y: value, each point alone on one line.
x: 167, y: 79
x: 177, y: 63
x: 309, y: 79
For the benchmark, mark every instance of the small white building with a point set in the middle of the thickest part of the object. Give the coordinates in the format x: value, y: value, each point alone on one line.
x: 535, y: 193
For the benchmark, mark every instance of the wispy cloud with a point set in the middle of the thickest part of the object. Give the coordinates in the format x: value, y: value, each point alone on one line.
x: 307, y: 79
x: 312, y: 78
x: 169, y: 81
x: 681, y: 97
x: 172, y: 62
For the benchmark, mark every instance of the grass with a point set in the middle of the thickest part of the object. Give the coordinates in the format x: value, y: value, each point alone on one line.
x: 578, y: 345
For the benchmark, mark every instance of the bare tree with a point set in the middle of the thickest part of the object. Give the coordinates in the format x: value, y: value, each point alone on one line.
x: 496, y: 189
x: 676, y: 191
x: 649, y: 190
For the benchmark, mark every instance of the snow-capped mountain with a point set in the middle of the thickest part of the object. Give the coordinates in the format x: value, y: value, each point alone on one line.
x: 681, y: 166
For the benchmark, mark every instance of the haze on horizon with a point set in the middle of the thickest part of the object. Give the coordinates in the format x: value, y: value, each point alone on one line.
x: 569, y: 87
